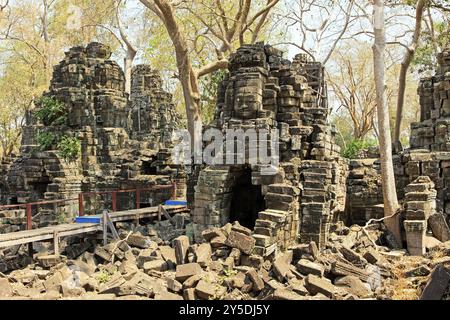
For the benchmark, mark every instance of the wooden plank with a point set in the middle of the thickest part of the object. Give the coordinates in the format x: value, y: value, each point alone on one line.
x: 111, y: 227
x: 48, y: 236
x: 56, y: 242
x: 166, y: 214
x: 105, y: 228
x: 64, y: 230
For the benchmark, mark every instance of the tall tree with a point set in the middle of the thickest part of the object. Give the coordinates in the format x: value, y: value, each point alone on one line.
x: 320, y: 24
x: 391, y: 205
x: 409, y: 55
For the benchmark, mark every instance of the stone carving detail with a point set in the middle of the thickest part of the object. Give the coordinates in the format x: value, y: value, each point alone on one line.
x: 264, y: 91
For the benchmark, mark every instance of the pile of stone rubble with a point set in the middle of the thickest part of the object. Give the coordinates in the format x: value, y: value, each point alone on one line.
x: 147, y: 264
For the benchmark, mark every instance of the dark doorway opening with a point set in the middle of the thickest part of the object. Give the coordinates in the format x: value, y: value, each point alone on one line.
x: 39, y: 188
x: 147, y: 168
x: 247, y: 200
x: 13, y: 200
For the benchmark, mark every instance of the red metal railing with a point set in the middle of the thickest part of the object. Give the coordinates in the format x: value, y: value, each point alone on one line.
x: 83, y: 196
x: 28, y: 206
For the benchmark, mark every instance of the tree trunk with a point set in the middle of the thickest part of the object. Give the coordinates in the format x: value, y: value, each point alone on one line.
x: 409, y: 55
x: 187, y: 76
x: 128, y: 66
x: 387, y: 169
x: 45, y: 35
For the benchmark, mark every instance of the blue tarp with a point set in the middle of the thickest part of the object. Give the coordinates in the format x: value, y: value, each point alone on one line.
x: 175, y: 203
x: 88, y: 219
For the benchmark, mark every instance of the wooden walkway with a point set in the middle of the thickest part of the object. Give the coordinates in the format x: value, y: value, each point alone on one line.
x: 71, y: 229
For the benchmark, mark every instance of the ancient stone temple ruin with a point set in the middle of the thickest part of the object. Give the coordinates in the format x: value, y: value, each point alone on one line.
x: 307, y: 192
x: 126, y: 143
x: 422, y: 171
x: 124, y: 139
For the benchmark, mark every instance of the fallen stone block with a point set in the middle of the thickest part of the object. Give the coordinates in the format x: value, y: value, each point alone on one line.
x: 284, y: 294
x: 236, y: 255
x: 103, y: 254
x: 68, y: 291
x: 238, y: 228
x: 352, y: 256
x: 139, y: 241
x: 313, y: 250
x: 207, y: 291
x: 128, y: 267
x: 258, y: 283
x: 74, y: 251
x: 437, y: 284
x: 48, y: 261
x: 354, y: 286
x: 431, y: 242
x: 228, y: 264
x: 165, y: 295
x: 189, y: 294
x: 168, y: 254
x: 281, y: 265
x: 181, y: 245
x: 209, y: 234
x: 185, y: 271
x: 315, y: 285
x: 5, y: 288
x: 240, y: 241
x: 173, y: 285
x: 113, y: 284
x: 218, y: 242
x: 203, y: 255
x: 237, y: 281
x: 420, y: 271
x: 298, y: 286
x: 372, y: 256
x: 54, y: 282
x: 340, y: 268
x: 439, y: 227
x: 155, y: 265
x: 307, y: 267
x: 192, y: 281
x: 253, y: 261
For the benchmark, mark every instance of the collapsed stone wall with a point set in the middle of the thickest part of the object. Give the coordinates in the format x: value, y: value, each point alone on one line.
x: 263, y: 91
x: 124, y: 140
x: 427, y: 158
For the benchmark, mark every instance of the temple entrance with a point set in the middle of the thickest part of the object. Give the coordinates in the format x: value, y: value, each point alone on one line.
x: 247, y: 200
x: 39, y: 187
x: 147, y: 168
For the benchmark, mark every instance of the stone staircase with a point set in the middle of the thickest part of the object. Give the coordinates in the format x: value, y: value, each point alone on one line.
x: 277, y: 226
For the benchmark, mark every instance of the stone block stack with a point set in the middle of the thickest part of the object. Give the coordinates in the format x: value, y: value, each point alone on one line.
x: 433, y: 130
x: 420, y: 205
x: 277, y: 227
x: 125, y: 140
x: 12, y: 220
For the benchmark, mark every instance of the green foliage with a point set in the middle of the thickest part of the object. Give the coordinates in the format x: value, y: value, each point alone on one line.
x: 210, y: 85
x: 46, y: 140
x: 356, y: 146
x: 103, y: 276
x: 69, y: 148
x: 61, y: 216
x: 425, y: 56
x: 52, y: 112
